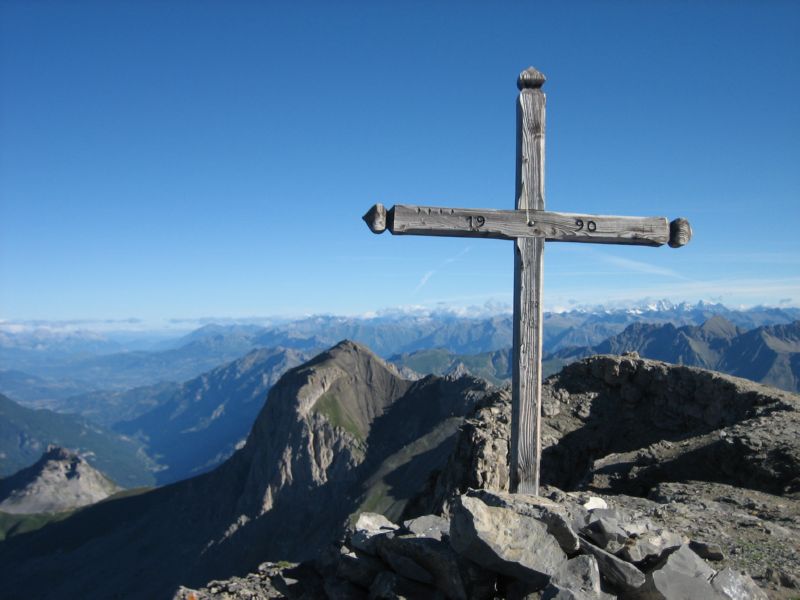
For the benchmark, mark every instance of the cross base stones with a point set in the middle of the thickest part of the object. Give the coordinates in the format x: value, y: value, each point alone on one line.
x: 496, y: 544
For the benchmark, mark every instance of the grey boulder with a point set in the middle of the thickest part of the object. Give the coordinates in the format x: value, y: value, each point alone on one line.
x: 682, y: 575
x: 504, y: 541
x: 735, y: 586
x: 367, y: 528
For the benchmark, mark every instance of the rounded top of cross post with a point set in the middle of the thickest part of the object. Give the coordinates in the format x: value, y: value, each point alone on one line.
x: 530, y: 78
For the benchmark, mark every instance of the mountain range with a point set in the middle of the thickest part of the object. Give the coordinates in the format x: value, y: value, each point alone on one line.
x: 164, y: 432
x: 767, y: 354
x: 95, y: 365
x: 343, y: 433
x: 197, y: 425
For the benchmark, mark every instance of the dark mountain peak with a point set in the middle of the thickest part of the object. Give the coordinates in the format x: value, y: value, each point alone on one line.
x: 719, y: 326
x: 780, y: 338
x: 351, y: 347
x: 347, y: 384
x: 636, y: 337
x: 785, y: 330
x: 641, y: 328
x: 349, y: 356
x: 55, y: 452
x: 60, y: 480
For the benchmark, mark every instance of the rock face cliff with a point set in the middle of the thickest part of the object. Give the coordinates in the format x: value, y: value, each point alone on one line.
x: 60, y: 480
x: 340, y: 434
x: 337, y: 435
x: 627, y: 425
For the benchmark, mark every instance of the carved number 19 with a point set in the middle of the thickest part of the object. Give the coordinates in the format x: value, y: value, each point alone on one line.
x: 476, y: 222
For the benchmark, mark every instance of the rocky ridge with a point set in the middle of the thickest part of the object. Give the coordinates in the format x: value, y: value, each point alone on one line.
x: 340, y: 434
x: 682, y: 480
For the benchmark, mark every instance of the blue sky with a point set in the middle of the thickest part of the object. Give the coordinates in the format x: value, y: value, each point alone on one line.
x: 189, y: 159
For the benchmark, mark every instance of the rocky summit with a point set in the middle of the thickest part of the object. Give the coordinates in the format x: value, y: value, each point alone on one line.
x: 60, y: 480
x: 661, y: 482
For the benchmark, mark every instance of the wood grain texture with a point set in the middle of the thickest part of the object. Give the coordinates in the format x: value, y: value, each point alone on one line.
x: 512, y: 224
x: 526, y: 383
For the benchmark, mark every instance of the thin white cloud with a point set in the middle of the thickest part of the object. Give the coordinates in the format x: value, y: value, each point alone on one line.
x: 424, y: 280
x: 638, y: 266
x: 780, y: 258
x: 453, y: 259
x: 447, y: 261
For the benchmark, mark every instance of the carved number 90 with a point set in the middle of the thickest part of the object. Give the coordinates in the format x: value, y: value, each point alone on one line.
x: 476, y: 222
x: 590, y: 225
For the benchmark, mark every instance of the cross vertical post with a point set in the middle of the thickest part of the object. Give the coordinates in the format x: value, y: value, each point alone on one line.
x: 526, y: 403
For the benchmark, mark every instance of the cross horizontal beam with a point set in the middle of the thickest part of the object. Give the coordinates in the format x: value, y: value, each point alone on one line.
x: 404, y: 219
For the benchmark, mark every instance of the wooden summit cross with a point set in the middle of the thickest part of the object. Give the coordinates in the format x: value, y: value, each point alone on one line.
x: 528, y: 226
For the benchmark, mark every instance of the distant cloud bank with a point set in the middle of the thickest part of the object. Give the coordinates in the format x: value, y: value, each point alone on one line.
x: 491, y: 307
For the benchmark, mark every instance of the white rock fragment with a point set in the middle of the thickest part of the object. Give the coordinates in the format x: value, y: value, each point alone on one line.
x: 594, y: 503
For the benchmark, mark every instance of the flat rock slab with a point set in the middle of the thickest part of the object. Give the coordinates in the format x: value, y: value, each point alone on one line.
x: 619, y: 573
x: 651, y: 545
x: 735, y: 586
x: 681, y: 576
x: 556, y: 517
x: 607, y: 534
x: 428, y: 526
x: 578, y: 579
x: 435, y: 557
x: 504, y: 541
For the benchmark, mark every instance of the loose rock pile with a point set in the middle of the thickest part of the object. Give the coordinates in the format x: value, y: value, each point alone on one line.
x: 558, y: 546
x: 562, y: 546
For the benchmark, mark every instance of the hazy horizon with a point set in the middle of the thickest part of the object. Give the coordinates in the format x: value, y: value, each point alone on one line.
x: 179, y: 325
